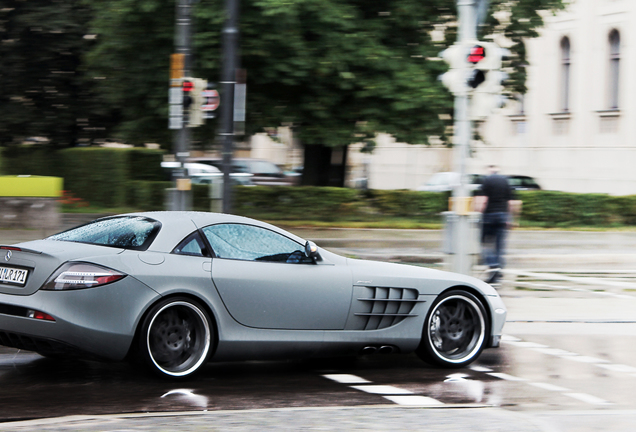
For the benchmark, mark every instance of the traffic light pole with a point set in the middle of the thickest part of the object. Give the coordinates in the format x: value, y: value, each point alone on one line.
x: 183, y: 43
x: 461, y: 261
x: 227, y: 85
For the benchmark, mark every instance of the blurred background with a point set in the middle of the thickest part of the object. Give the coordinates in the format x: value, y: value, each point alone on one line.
x: 341, y: 94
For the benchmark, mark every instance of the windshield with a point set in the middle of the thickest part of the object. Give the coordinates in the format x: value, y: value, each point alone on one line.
x: 128, y: 232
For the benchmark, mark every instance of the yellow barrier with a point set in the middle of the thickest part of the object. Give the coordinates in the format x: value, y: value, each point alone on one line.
x: 31, y: 186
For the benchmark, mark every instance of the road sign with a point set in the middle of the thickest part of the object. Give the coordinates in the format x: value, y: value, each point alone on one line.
x: 211, y: 100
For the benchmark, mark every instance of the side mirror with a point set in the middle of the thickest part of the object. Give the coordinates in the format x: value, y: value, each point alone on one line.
x: 311, y: 250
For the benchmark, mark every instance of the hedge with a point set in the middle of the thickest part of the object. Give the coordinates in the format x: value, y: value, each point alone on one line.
x: 133, y: 178
x: 563, y: 209
x: 100, y: 176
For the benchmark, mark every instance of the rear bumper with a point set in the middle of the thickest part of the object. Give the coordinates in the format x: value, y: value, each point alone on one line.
x: 95, y: 322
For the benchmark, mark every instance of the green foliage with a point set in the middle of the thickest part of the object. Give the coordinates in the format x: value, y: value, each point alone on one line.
x: 146, y: 195
x: 130, y: 65
x: 31, y: 160
x: 297, y: 202
x: 562, y: 209
x: 145, y: 164
x: 43, y: 92
x: 340, y: 71
x: 409, y: 203
x: 97, y: 175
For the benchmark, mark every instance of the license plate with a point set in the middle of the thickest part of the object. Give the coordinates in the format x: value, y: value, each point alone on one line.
x: 13, y: 276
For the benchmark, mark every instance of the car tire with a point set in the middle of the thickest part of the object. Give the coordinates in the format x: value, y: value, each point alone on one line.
x: 455, y: 331
x: 176, y: 337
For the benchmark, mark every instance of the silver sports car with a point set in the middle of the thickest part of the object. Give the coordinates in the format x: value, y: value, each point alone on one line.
x: 175, y: 289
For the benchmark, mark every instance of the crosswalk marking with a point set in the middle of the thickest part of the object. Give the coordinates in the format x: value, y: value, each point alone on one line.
x: 346, y: 379
x: 414, y: 400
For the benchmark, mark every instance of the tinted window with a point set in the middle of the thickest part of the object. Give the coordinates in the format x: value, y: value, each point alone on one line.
x: 128, y: 232
x: 251, y: 243
x: 192, y: 245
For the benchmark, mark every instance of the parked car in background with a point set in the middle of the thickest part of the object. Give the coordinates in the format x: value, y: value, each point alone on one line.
x: 205, y: 174
x: 446, y: 181
x: 264, y: 173
x: 518, y: 182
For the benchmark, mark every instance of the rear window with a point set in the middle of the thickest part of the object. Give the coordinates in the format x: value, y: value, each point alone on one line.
x: 127, y: 232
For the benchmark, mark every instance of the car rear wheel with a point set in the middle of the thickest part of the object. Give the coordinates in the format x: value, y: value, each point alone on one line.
x: 455, y: 332
x: 176, y: 337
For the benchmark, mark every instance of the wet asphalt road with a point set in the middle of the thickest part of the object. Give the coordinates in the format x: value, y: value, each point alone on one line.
x: 552, y: 362
x: 568, y: 363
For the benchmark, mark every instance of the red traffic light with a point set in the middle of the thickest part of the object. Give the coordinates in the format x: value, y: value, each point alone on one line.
x: 187, y: 86
x: 477, y: 54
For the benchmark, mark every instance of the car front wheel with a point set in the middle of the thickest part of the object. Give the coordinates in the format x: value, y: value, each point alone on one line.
x: 176, y: 337
x: 455, y: 331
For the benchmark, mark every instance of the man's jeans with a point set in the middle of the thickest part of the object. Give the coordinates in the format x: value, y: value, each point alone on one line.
x: 494, y: 226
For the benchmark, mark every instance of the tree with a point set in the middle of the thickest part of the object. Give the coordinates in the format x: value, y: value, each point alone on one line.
x: 131, y: 58
x: 43, y: 93
x: 338, y: 71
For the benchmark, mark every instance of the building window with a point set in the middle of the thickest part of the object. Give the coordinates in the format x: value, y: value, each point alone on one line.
x: 565, y: 75
x: 614, y: 66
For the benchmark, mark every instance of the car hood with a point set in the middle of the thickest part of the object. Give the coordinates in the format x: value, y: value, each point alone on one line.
x: 42, y: 257
x: 427, y: 281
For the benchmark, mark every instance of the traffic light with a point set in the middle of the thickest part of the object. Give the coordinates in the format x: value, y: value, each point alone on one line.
x: 196, y: 115
x: 486, y: 94
x: 186, y: 88
x: 454, y: 79
x: 476, y: 59
x: 193, y: 99
x: 471, y: 63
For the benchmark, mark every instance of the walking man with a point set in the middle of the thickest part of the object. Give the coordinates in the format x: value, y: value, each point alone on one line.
x: 498, y: 204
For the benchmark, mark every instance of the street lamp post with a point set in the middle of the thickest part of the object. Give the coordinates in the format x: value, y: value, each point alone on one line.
x: 461, y: 238
x: 228, y: 82
x: 183, y: 42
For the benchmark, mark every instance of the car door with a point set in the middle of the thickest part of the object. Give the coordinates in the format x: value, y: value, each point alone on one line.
x: 266, y: 281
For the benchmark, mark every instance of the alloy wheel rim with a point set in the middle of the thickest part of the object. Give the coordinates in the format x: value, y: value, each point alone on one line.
x: 456, y: 329
x: 178, y: 338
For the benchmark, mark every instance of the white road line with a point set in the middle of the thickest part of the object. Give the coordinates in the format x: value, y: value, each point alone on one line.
x: 555, y: 352
x: 381, y: 389
x: 480, y: 369
x: 505, y: 376
x: 346, y: 379
x: 550, y: 387
x: 585, y: 359
x: 524, y: 344
x: 618, y: 368
x: 592, y: 400
x: 394, y: 394
x: 414, y: 400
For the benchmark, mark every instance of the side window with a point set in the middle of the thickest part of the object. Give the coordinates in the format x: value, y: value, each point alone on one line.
x: 251, y: 243
x: 192, y: 245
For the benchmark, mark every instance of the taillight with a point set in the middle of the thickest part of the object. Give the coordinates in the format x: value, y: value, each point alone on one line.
x: 74, y: 275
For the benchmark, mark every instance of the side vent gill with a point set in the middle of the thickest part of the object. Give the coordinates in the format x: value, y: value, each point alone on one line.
x: 379, y: 307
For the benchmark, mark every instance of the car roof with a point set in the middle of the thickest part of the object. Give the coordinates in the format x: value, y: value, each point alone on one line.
x: 177, y: 225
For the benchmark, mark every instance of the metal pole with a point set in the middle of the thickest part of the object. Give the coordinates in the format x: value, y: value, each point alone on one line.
x: 183, y: 42
x: 461, y: 262
x: 228, y: 81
